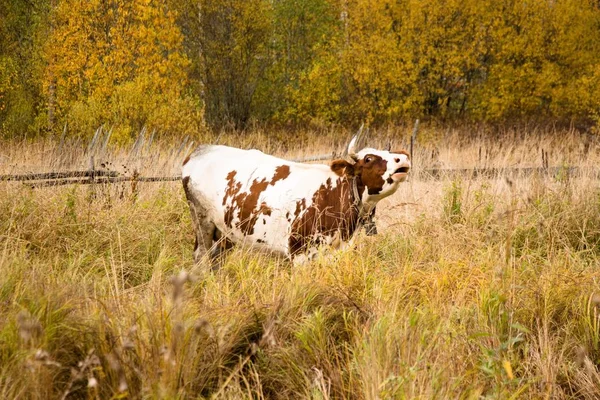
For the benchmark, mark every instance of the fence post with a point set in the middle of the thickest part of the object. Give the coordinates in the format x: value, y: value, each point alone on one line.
x: 92, y: 191
x: 92, y: 169
x: 134, y: 185
x: 413, y: 139
x: 92, y: 143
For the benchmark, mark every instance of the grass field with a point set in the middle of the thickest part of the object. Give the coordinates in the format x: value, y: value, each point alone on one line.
x: 473, y: 289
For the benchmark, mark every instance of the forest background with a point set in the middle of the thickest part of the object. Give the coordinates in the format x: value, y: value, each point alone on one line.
x: 182, y: 67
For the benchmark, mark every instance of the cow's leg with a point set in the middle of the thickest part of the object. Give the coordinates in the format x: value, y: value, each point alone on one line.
x: 303, y: 250
x: 219, y: 249
x: 204, y: 229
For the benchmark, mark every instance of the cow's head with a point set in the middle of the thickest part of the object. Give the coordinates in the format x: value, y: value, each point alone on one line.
x: 380, y: 171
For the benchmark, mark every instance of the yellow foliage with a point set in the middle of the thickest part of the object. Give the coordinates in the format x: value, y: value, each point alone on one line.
x: 8, y: 74
x: 119, y: 62
x: 287, y: 61
x: 486, y: 60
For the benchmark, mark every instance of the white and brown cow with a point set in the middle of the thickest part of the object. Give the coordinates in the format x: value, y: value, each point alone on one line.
x: 246, y: 196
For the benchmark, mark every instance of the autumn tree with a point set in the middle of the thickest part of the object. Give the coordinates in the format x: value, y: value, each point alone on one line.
x: 304, y: 33
x: 120, y: 63
x: 536, y: 56
x: 233, y: 40
x: 22, y: 27
x: 381, y: 74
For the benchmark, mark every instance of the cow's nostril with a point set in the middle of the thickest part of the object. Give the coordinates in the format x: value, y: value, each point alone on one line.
x: 397, y: 160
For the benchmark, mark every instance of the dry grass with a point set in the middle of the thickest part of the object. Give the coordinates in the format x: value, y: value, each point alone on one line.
x: 473, y: 289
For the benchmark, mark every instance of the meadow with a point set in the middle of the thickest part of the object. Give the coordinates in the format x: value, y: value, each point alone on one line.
x: 475, y: 288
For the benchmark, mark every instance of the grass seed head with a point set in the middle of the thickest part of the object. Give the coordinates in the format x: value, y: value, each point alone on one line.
x: 29, y: 328
x: 596, y: 300
x: 178, y: 283
x: 202, y: 325
x: 580, y: 355
x: 41, y: 355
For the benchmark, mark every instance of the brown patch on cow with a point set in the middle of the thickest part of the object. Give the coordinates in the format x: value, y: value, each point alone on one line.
x: 245, y: 203
x: 281, y: 172
x: 233, y: 187
x: 332, y: 210
x: 231, y: 191
x: 265, y: 209
x: 371, y: 172
x: 342, y: 167
x: 300, y: 206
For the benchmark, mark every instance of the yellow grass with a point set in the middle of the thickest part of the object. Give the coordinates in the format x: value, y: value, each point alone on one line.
x: 474, y: 288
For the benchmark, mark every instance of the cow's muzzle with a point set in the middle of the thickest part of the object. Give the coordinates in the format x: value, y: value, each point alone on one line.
x: 400, y: 174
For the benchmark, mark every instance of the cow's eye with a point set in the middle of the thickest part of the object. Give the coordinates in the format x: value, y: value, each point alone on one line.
x: 368, y: 159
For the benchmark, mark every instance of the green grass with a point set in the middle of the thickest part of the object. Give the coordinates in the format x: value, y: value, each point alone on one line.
x: 487, y: 289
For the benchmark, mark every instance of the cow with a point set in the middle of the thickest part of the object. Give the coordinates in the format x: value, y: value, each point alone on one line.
x: 284, y: 207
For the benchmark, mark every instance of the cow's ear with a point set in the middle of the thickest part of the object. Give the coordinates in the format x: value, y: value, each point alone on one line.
x: 342, y: 167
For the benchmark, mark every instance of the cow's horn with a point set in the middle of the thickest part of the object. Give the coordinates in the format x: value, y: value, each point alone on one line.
x: 351, y: 150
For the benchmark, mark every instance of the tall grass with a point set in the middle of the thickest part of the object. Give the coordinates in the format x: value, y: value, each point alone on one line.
x: 474, y: 289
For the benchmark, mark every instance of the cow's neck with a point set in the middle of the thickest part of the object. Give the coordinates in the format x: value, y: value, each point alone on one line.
x: 365, y: 211
x: 335, y: 210
x: 356, y: 193
x: 358, y: 189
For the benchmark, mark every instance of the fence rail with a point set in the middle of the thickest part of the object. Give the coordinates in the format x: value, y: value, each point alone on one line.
x: 49, y: 179
x: 58, y: 175
x: 511, y: 172
x: 103, y: 180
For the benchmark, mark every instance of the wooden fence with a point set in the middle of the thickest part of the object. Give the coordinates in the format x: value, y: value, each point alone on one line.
x: 97, y: 148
